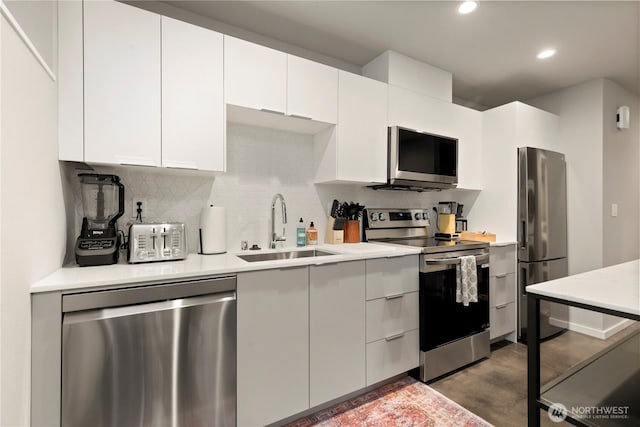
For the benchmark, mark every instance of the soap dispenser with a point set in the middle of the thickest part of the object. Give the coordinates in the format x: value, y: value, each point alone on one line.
x: 312, y: 235
x: 301, y: 234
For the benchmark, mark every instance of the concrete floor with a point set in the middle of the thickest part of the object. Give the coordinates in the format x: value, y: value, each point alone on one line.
x: 496, y: 388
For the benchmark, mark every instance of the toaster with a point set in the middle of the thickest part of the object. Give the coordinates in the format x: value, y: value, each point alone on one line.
x: 157, y: 242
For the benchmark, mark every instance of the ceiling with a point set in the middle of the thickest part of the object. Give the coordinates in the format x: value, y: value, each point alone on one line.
x: 491, y: 52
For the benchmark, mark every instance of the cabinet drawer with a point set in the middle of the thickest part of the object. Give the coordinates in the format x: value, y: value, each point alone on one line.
x: 391, y: 276
x: 389, y: 357
x: 503, y: 259
x: 386, y: 317
x: 502, y: 289
x: 502, y: 320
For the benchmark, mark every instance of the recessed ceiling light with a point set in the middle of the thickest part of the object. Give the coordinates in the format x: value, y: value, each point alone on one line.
x: 467, y: 7
x: 547, y: 53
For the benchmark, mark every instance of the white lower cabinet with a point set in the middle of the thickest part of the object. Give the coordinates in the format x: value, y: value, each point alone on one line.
x: 337, y: 330
x: 502, y: 320
x: 388, y: 317
x: 391, y: 276
x: 393, y: 317
x: 392, y: 356
x: 502, y: 290
x: 273, y: 345
x: 308, y: 335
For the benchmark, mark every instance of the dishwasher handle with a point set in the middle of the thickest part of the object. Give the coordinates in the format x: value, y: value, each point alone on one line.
x: 147, y: 293
x: 152, y: 307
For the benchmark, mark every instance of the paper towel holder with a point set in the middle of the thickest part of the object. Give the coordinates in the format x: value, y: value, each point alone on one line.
x: 212, y: 230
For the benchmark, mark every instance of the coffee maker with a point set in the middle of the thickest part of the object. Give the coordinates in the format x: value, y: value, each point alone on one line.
x: 103, y: 204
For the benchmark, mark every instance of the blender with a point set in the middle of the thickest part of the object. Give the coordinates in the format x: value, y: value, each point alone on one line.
x: 447, y: 221
x: 103, y: 204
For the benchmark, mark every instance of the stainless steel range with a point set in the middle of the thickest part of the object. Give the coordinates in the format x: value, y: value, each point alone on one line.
x: 452, y: 335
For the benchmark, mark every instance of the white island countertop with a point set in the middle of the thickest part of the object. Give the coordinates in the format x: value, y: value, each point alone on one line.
x: 72, y: 278
x: 614, y: 288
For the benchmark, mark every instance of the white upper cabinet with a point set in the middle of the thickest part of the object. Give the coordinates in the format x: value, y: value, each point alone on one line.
x: 419, y: 112
x: 254, y: 76
x: 70, y: 82
x: 193, y: 119
x: 356, y: 149
x: 362, y: 129
x: 121, y: 84
x: 312, y: 90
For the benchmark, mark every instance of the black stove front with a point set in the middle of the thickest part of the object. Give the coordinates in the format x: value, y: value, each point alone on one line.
x: 452, y: 335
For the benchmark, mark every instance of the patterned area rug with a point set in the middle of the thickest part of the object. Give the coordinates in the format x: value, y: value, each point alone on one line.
x: 406, y: 402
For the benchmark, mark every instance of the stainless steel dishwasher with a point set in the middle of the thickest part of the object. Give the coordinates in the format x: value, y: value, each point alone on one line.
x: 156, y: 355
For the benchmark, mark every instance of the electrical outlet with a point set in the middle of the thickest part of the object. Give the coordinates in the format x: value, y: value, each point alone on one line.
x: 614, y: 210
x: 139, y: 216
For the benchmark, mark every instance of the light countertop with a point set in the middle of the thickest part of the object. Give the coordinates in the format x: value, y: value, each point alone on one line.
x: 615, y: 288
x: 79, y: 278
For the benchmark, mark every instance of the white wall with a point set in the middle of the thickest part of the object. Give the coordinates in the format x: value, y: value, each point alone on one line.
x: 34, y: 17
x: 602, y: 168
x: 260, y: 163
x: 32, y: 211
x: 621, y: 149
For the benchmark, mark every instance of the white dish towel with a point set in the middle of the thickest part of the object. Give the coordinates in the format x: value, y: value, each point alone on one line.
x: 466, y: 280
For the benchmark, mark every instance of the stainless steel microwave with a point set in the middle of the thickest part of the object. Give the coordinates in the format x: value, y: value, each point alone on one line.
x: 421, y: 160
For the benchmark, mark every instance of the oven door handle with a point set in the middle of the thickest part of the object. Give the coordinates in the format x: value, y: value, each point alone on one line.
x: 480, y: 259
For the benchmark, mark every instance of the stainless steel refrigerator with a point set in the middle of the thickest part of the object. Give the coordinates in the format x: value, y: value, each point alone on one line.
x: 542, y: 229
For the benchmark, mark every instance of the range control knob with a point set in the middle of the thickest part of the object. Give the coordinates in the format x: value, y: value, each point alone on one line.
x: 374, y: 216
x: 418, y: 216
x: 381, y: 217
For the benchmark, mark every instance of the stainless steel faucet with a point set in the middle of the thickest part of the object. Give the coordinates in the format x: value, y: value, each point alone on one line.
x: 274, y: 236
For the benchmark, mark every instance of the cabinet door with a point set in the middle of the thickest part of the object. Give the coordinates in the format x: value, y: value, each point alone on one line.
x: 388, y: 277
x: 337, y: 330
x: 312, y: 90
x: 254, y: 76
x: 362, y: 129
x: 192, y: 97
x: 273, y: 345
x: 70, y: 82
x: 416, y: 111
x: 121, y: 84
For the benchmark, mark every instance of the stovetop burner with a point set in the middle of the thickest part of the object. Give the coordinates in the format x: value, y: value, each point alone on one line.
x: 409, y: 227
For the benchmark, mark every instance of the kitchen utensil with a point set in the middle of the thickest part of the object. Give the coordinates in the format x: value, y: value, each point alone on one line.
x: 157, y: 242
x: 352, y: 211
x: 213, y: 230
x: 334, y: 208
x: 103, y: 204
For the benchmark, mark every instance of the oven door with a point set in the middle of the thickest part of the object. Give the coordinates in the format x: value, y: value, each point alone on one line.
x: 442, y: 319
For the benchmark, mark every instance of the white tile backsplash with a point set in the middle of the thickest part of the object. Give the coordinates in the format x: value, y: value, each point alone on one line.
x: 260, y: 163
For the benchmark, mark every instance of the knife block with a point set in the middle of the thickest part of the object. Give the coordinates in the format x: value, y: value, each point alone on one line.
x: 333, y: 237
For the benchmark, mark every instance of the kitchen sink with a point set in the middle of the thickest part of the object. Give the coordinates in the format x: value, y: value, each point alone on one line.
x: 273, y: 256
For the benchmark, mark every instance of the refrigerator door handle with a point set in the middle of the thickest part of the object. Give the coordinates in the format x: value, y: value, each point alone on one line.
x: 523, y: 280
x: 523, y: 237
